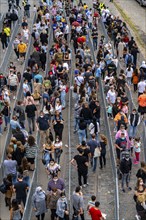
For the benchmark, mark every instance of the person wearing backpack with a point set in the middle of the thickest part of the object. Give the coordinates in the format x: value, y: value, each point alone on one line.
x: 128, y: 59
x: 16, y: 211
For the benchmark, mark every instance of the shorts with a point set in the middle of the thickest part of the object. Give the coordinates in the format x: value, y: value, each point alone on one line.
x: 22, y: 54
x: 31, y: 160
x: 13, y: 88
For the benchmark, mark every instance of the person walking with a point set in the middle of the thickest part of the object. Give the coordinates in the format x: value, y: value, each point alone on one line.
x: 16, y: 211
x: 81, y: 164
x: 31, y: 149
x: 21, y: 188
x: 95, y: 212
x: 30, y: 110
x: 39, y: 203
x: 102, y: 158
x: 52, y: 198
x: 43, y: 126
x: 3, y: 38
x: 125, y: 168
x: 78, y: 203
x: 16, y: 42
x: 10, y: 167
x: 134, y: 121
x: 62, y: 207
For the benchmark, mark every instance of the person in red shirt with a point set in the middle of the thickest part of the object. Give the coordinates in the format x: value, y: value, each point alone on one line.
x: 95, y: 212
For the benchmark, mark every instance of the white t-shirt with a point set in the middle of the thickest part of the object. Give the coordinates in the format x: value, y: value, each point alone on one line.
x: 13, y: 80
x: 129, y: 72
x: 79, y: 80
x: 111, y: 96
x: 25, y: 88
x: 141, y: 86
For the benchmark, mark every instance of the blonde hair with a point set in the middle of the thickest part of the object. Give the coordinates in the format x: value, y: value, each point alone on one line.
x: 103, y: 137
x: 141, y: 197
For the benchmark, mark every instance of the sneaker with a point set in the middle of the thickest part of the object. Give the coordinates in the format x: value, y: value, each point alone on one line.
x: 123, y: 190
x: 129, y: 188
x: 14, y: 97
x: 5, y: 128
x: 18, y: 59
x: 136, y: 162
x: 84, y: 185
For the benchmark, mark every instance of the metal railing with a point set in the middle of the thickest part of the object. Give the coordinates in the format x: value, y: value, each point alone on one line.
x: 7, y: 54
x: 2, y: 17
x: 109, y: 137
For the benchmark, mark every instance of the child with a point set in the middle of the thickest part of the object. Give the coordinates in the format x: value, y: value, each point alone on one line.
x: 110, y: 111
x: 137, y: 150
x: 125, y: 109
x: 91, y: 203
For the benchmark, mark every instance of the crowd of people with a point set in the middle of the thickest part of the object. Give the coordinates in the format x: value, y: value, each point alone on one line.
x: 44, y: 93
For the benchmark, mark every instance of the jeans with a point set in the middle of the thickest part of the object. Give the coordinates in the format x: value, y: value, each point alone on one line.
x: 30, y: 85
x: 125, y: 178
x: 63, y: 96
x: 14, y: 178
x: 132, y: 131
x: 76, y: 123
x: 82, y: 135
x: 77, y: 216
x: 31, y: 124
x: 95, y: 44
x: 129, y: 80
x: 7, y: 120
x: 80, y: 175
x: 94, y: 163
x: 27, y: 13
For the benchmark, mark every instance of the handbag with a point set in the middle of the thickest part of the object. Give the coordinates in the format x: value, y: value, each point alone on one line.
x: 97, y: 152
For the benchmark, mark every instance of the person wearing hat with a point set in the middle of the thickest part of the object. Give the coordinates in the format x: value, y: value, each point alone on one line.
x: 39, y: 203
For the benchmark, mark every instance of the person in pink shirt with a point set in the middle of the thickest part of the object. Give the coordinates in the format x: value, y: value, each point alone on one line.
x: 118, y: 134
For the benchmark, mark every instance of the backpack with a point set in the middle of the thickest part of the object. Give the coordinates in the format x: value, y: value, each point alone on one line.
x: 3, y: 188
x: 129, y: 59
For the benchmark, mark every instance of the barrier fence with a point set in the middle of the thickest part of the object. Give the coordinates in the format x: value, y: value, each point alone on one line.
x: 7, y: 54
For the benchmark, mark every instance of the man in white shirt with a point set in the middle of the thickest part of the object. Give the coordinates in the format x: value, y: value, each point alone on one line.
x: 141, y: 87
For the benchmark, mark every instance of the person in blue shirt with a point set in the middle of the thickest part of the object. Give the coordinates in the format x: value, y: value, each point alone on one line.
x: 39, y: 77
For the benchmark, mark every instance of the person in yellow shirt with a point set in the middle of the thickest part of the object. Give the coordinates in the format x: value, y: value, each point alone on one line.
x: 22, y: 47
x: 7, y: 31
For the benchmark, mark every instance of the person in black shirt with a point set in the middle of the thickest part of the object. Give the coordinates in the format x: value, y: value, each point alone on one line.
x: 21, y: 188
x: 30, y: 111
x: 81, y: 164
x: 43, y: 126
x: 86, y: 150
x: 95, y: 37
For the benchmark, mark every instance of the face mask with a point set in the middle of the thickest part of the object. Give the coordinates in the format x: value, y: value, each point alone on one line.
x: 123, y: 138
x: 15, y: 145
x: 55, y: 180
x: 57, y: 140
x: 41, y: 116
x: 141, y: 183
